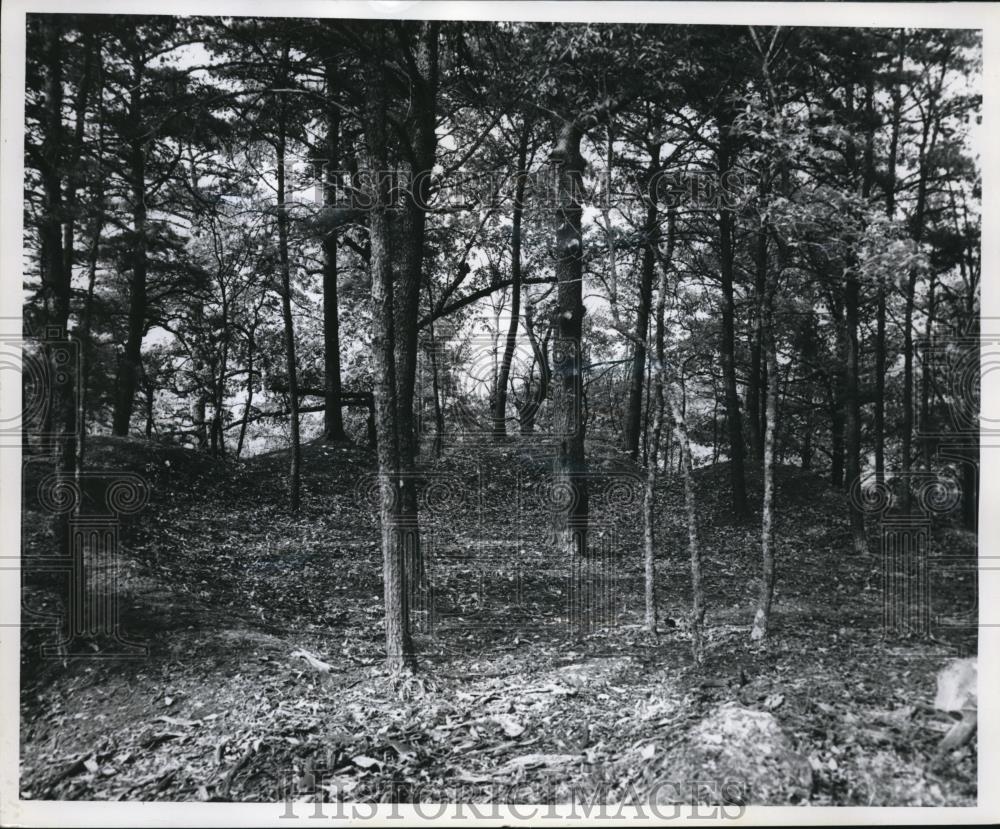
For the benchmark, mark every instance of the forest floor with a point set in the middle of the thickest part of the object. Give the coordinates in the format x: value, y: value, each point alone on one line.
x: 530, y: 675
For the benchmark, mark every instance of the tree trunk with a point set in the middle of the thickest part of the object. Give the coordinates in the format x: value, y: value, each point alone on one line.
x: 633, y: 410
x: 395, y: 527
x: 294, y: 479
x: 649, y: 495
x: 852, y: 405
x: 333, y: 418
x: 130, y: 367
x: 246, y: 408
x: 733, y: 419
x: 503, y: 375
x: 407, y: 297
x: 762, y: 618
x: 927, y: 144
x: 529, y: 411
x: 56, y: 276
x: 691, y: 516
x: 926, y: 440
x: 435, y: 380
x: 649, y: 508
x: 569, y: 486
x: 755, y: 421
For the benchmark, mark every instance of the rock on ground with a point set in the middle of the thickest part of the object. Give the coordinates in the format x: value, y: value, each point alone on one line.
x: 740, y: 756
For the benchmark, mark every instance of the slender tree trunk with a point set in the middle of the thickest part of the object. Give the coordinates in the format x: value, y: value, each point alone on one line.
x: 251, y: 346
x: 837, y: 437
x: 295, y: 470
x: 649, y: 508
x: 928, y: 142
x: 57, y: 275
x: 529, y: 411
x: 569, y: 486
x: 130, y: 368
x: 407, y: 296
x: 333, y: 417
x: 805, y: 452
x: 852, y: 404
x: 691, y: 516
x: 926, y: 441
x: 762, y: 618
x: 649, y: 495
x: 503, y: 375
x: 633, y: 410
x: 726, y: 255
x: 755, y: 420
x: 398, y: 647
x: 435, y: 379
x: 878, y: 424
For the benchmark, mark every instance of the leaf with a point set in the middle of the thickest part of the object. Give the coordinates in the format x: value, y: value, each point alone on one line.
x: 404, y: 750
x: 314, y: 662
x: 511, y: 727
x: 177, y: 721
x: 365, y: 762
x: 526, y: 760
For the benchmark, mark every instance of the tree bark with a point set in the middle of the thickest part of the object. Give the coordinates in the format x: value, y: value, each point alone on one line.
x: 131, y: 364
x: 295, y: 466
x: 56, y: 273
x: 411, y: 232
x: 569, y: 486
x: 633, y: 410
x: 755, y: 418
x: 926, y: 440
x: 396, y: 529
x: 852, y: 405
x: 333, y: 418
x: 503, y: 375
x: 726, y: 255
x: 762, y: 618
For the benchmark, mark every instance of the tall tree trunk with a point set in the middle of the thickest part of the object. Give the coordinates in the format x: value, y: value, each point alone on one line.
x: 503, y: 375
x: 435, y: 378
x: 633, y: 409
x: 691, y: 516
x: 755, y: 418
x: 726, y: 255
x: 928, y: 141
x: 333, y: 417
x: 852, y: 404
x: 395, y: 529
x: 407, y: 296
x: 251, y: 346
x: 926, y: 440
x: 649, y: 507
x: 649, y: 495
x: 837, y: 432
x: 131, y: 364
x: 762, y: 618
x: 878, y: 425
x: 57, y: 273
x: 295, y: 467
x: 569, y: 486
x: 529, y: 411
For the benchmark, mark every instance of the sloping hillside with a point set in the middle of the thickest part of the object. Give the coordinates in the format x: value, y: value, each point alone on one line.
x: 264, y: 642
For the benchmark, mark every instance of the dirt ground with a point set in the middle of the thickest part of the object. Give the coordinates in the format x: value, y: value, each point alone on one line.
x: 263, y: 675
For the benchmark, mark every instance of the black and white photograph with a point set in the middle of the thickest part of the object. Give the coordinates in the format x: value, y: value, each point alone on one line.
x: 560, y: 412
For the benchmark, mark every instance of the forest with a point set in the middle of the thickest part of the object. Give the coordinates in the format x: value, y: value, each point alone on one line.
x: 414, y: 407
